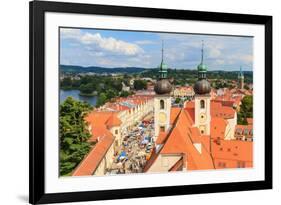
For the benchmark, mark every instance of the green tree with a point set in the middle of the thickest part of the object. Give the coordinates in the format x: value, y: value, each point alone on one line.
x: 140, y: 84
x: 124, y: 94
x: 74, y: 134
x: 88, y: 88
x: 246, y: 110
x: 101, y: 99
x: 110, y: 94
x: 66, y: 83
x: 117, y: 84
x: 177, y: 101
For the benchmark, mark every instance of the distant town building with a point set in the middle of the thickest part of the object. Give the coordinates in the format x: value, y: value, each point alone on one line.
x: 244, y: 132
x: 125, y: 88
x: 183, y: 92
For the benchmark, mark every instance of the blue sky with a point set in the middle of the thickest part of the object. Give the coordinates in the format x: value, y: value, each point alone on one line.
x: 109, y: 48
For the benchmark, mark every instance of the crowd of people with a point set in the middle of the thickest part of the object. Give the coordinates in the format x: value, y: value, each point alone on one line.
x: 135, y: 149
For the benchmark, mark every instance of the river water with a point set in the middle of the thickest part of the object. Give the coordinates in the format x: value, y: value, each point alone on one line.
x: 92, y: 100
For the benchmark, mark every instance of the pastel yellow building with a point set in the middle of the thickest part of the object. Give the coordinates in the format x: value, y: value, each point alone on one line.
x: 183, y: 92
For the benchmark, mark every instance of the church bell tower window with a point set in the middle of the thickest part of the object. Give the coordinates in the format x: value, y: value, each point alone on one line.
x: 202, y: 104
x: 162, y: 105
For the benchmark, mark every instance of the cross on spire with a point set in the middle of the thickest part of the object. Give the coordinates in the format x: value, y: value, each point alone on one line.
x: 202, y: 51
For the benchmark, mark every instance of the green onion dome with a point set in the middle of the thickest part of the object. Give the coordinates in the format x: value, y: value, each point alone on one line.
x: 163, y: 66
x: 202, y: 68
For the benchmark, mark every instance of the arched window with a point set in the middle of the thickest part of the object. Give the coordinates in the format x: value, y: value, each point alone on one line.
x: 202, y: 104
x: 162, y: 104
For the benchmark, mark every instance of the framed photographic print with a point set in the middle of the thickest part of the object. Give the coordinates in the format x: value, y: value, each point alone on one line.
x: 139, y: 102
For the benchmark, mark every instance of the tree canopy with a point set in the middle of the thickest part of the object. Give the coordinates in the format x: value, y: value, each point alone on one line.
x: 246, y: 110
x: 74, y: 134
x: 140, y: 84
x: 105, y: 87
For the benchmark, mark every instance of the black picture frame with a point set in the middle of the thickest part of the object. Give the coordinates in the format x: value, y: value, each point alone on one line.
x: 37, y: 9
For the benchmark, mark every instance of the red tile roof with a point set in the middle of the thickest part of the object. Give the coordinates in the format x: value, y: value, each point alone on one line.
x: 183, y: 136
x: 233, y: 150
x: 90, y: 163
x: 218, y: 126
x: 99, y: 132
x: 161, y: 137
x: 174, y: 113
x: 218, y: 110
x: 113, y: 121
x: 180, y: 142
x: 250, y: 121
x: 100, y: 121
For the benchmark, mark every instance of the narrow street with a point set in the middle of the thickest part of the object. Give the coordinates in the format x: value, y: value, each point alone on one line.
x: 135, y: 149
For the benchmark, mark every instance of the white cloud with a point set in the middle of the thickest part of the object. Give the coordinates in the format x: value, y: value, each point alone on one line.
x: 111, y: 44
x: 213, y: 53
x: 247, y: 58
x: 145, y: 42
x: 70, y: 33
x: 244, y: 59
x: 180, y: 51
x: 107, y: 44
x: 219, y: 62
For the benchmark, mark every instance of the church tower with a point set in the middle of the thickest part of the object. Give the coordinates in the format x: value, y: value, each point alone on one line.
x: 202, y: 91
x: 241, y: 79
x: 162, y: 100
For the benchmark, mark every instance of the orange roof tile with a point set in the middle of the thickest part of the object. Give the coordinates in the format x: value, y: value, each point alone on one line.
x: 233, y: 150
x: 98, y: 117
x: 99, y: 121
x: 180, y: 142
x: 113, y: 121
x: 90, y: 163
x: 161, y: 137
x: 218, y: 110
x: 218, y: 126
x: 250, y: 121
x: 99, y: 132
x: 174, y: 113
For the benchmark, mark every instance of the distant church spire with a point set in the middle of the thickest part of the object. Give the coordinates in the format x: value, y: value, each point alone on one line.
x: 163, y: 67
x: 241, y: 79
x: 202, y: 52
x: 162, y: 59
x: 241, y: 72
x: 202, y: 68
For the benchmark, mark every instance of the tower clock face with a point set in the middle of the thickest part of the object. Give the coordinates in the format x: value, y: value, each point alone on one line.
x: 162, y: 117
x: 202, y: 117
